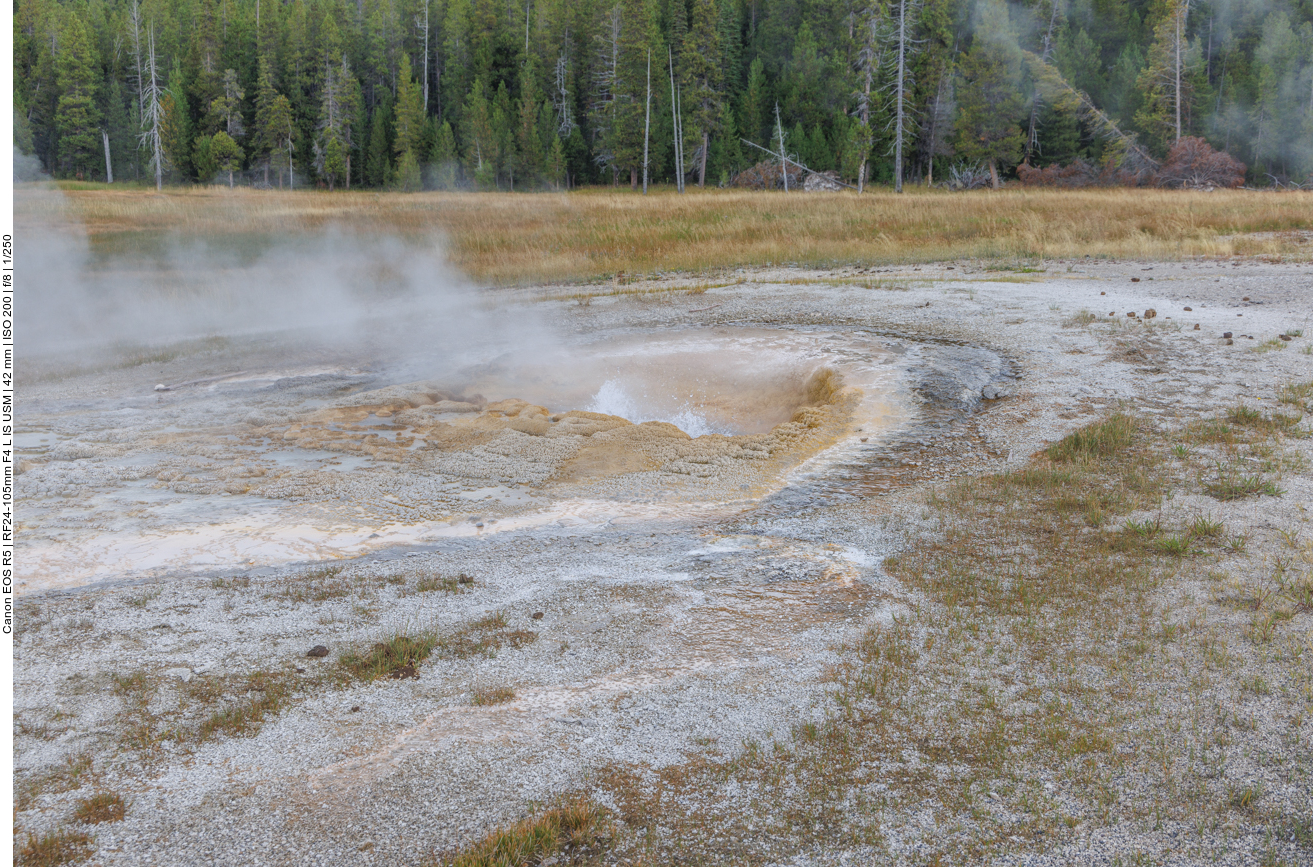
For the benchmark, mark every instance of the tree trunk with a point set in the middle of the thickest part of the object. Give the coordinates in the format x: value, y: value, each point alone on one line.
x: 702, y: 167
x: 109, y: 167
x: 902, y: 60
x: 993, y: 175
x: 633, y: 178
x: 230, y: 179
x: 861, y: 177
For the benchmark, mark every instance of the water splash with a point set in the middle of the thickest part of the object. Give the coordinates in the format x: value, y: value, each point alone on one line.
x: 613, y: 399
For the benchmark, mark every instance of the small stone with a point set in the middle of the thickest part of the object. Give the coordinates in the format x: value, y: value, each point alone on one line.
x: 405, y: 671
x: 537, y: 615
x: 1246, y: 298
x: 317, y: 652
x: 1188, y: 309
x: 1112, y: 312
x: 1226, y: 334
x: 1285, y: 337
x: 183, y: 674
x: 355, y: 709
x: 161, y: 387
x: 864, y: 439
x: 464, y: 579
x: 1103, y: 293
x: 1150, y: 313
x: 1130, y: 313
x: 1135, y: 279
x: 1229, y: 341
x: 1196, y: 326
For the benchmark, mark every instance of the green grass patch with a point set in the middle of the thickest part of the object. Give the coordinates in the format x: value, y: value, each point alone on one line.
x: 1102, y: 440
x: 574, y: 829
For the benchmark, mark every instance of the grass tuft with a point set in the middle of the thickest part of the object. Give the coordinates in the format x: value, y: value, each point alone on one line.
x: 57, y: 847
x: 567, y: 830
x: 104, y: 807
x: 492, y: 695
x: 1103, y: 439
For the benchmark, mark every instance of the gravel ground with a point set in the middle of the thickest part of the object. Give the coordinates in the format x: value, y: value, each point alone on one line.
x: 702, y: 620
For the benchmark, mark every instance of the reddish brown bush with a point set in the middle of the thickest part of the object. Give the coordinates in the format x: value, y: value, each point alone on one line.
x: 1075, y: 174
x: 1193, y: 163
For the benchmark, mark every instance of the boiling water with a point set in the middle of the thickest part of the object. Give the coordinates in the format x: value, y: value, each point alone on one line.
x: 120, y: 482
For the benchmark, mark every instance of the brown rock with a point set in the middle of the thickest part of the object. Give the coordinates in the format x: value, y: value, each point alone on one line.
x: 317, y: 652
x: 1246, y: 298
x: 405, y: 671
x: 1229, y: 341
x: 1135, y: 279
x: 1150, y: 313
x: 1226, y: 335
x: 464, y: 579
x: 1189, y: 309
x: 1196, y: 326
x: 1285, y: 337
x: 1130, y: 313
x: 537, y: 615
x: 1103, y: 293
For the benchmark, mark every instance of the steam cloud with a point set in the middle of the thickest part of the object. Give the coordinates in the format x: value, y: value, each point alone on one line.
x: 396, y: 300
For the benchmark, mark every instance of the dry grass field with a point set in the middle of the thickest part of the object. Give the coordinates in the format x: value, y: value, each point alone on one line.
x: 510, y: 239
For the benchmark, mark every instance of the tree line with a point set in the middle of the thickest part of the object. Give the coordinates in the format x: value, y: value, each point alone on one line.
x: 533, y: 94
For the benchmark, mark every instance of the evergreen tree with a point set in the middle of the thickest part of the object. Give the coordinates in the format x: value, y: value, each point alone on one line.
x: 755, y: 102
x: 202, y: 159
x: 990, y: 106
x: 444, y: 158
x: 175, y: 130
x: 409, y: 119
x: 701, y: 61
x: 77, y: 121
x: 226, y: 154
x: 1168, y: 82
x: 378, y: 159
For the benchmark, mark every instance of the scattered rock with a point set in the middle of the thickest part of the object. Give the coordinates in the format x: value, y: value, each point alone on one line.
x: 1103, y: 293
x: 993, y: 391
x: 1229, y: 341
x: 1226, y: 334
x: 1196, y: 326
x: 1131, y: 314
x: 317, y: 652
x: 1285, y: 337
x: 1135, y: 279
x: 405, y: 671
x: 464, y: 579
x: 1188, y: 309
x: 537, y: 615
x: 161, y: 387
x: 355, y: 709
x: 1246, y: 298
x: 1150, y: 313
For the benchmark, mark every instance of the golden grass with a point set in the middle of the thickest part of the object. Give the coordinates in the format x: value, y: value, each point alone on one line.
x: 512, y: 238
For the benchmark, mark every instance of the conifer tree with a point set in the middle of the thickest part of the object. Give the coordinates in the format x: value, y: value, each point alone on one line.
x: 76, y: 118
x: 226, y: 154
x: 703, y: 73
x: 409, y: 112
x: 990, y: 106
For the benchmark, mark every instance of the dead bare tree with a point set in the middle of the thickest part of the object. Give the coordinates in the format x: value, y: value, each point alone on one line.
x: 152, y: 117
x: 647, y: 119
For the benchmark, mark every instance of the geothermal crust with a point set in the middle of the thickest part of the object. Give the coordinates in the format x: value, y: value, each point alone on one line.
x: 681, y: 598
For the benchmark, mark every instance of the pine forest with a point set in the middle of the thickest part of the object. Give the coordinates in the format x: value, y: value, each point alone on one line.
x: 522, y: 95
